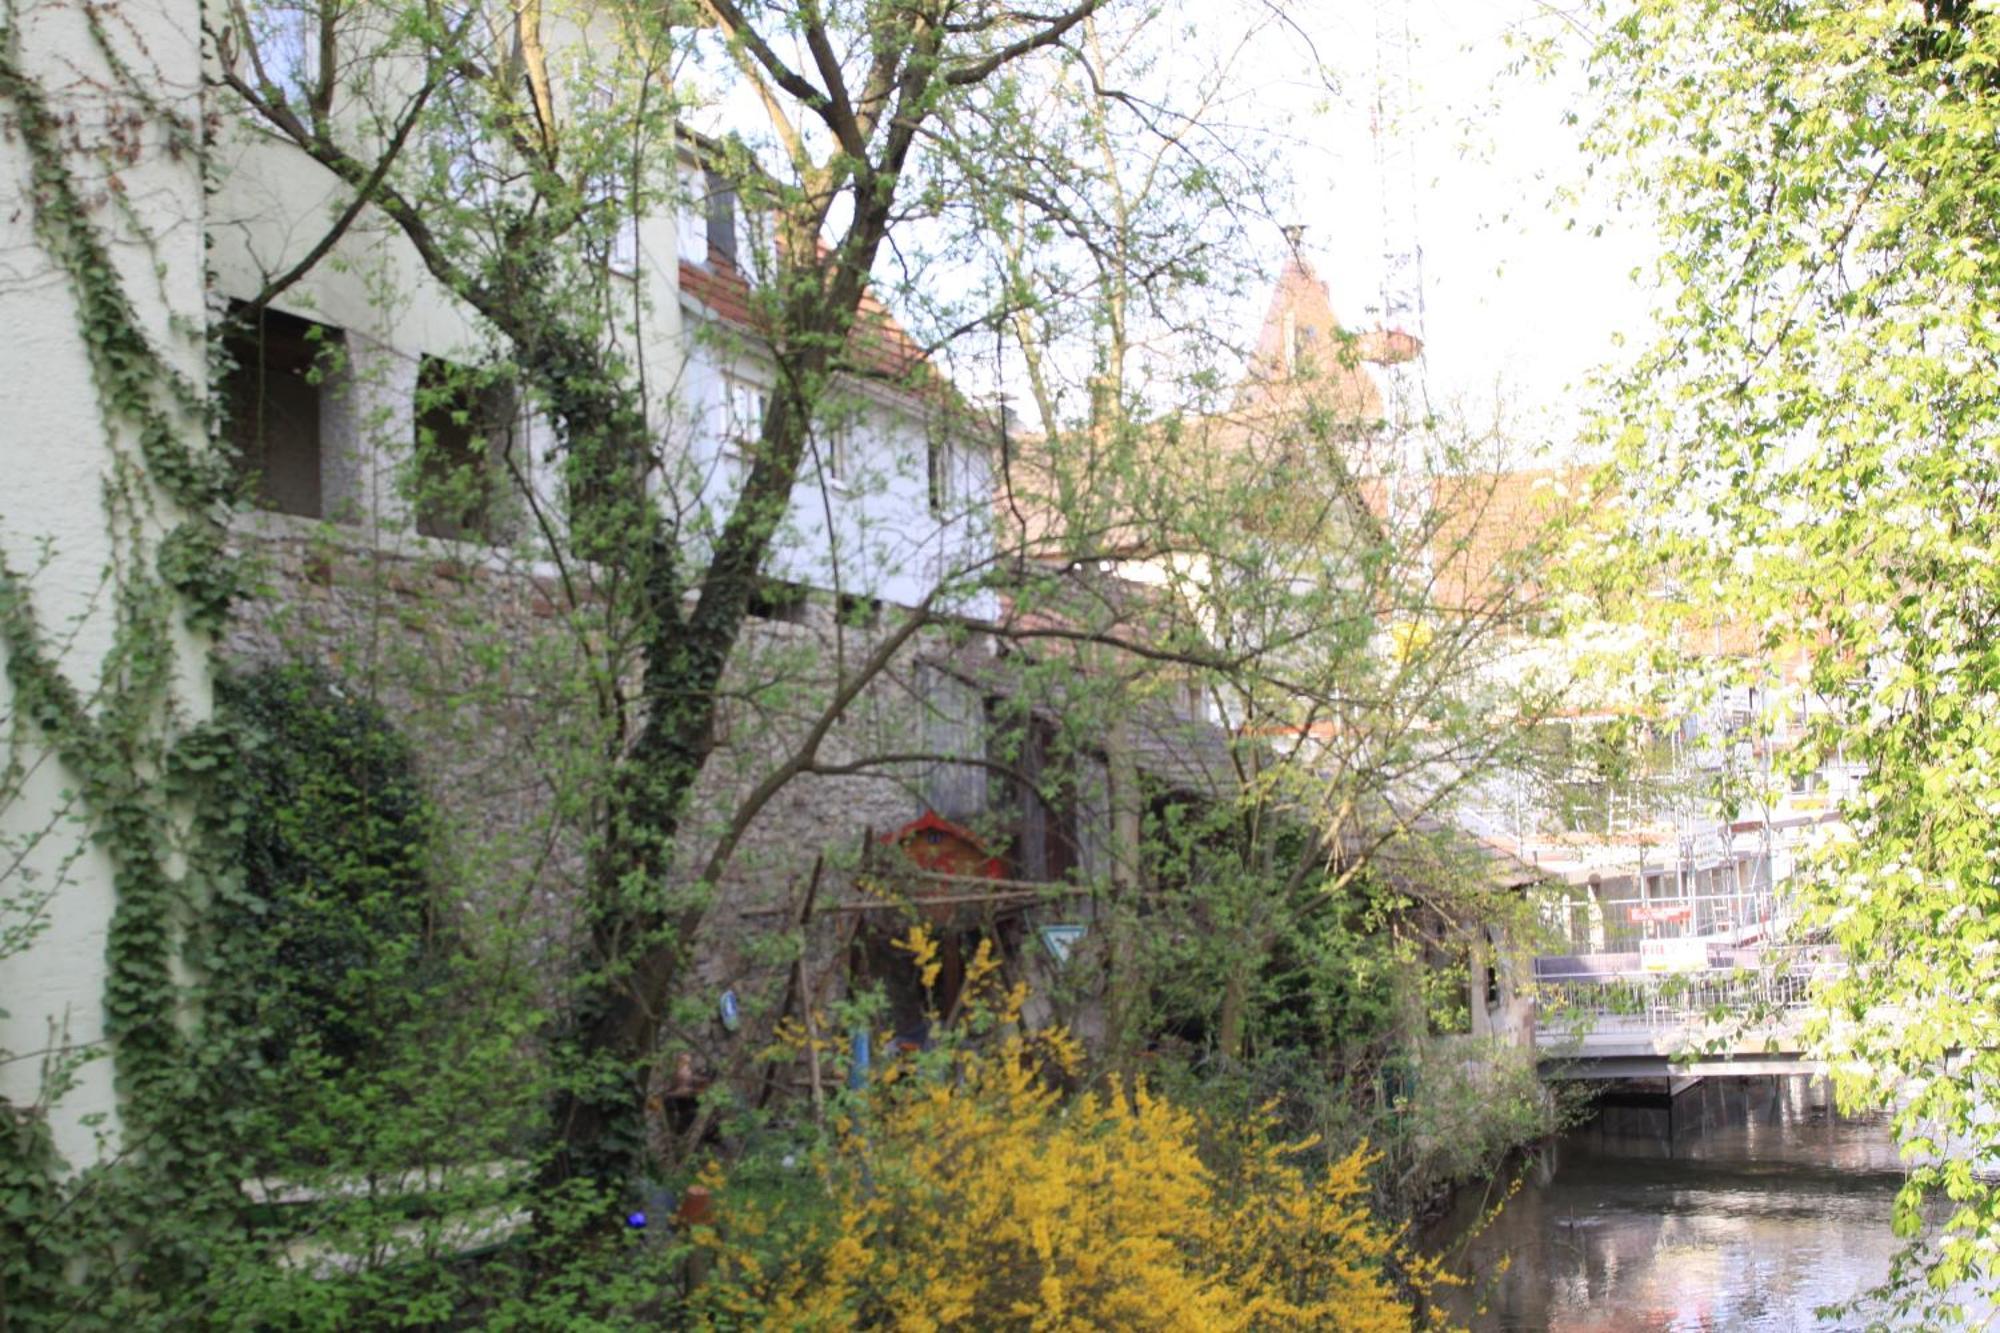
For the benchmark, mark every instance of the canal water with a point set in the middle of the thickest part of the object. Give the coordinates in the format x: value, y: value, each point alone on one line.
x: 1738, y: 1204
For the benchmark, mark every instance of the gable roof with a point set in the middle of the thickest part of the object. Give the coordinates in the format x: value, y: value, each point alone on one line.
x: 1481, y: 530
x: 1303, y: 350
x: 877, y: 345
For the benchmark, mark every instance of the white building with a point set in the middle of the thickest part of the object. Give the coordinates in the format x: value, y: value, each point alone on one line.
x: 895, y: 495
x: 358, y: 353
x: 72, y: 531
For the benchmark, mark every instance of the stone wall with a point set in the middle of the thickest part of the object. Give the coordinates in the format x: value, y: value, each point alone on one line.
x: 484, y: 661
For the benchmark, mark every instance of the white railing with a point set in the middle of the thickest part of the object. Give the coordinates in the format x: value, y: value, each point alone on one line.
x: 1750, y: 983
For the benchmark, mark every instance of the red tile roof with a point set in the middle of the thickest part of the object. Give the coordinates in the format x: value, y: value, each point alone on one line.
x: 877, y: 345
x: 1481, y: 529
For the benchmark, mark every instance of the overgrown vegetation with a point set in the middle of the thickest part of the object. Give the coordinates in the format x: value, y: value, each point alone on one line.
x: 968, y: 1191
x: 335, y: 946
x: 371, y: 1076
x: 1809, y: 450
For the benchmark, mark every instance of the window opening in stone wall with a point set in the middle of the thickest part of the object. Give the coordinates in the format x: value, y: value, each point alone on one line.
x: 776, y: 599
x: 273, y: 395
x: 462, y: 434
x: 858, y: 612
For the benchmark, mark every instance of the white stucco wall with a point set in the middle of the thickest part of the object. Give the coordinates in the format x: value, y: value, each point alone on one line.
x: 57, y: 453
x: 870, y: 533
x: 184, y: 254
x: 273, y: 204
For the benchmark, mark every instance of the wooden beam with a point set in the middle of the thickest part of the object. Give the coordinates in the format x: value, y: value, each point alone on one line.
x: 1037, y: 893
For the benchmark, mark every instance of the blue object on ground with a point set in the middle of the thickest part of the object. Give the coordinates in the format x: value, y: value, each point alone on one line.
x: 857, y: 1066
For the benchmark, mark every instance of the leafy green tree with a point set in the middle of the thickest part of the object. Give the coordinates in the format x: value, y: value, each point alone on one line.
x: 484, y: 143
x: 330, y: 938
x: 1811, y: 446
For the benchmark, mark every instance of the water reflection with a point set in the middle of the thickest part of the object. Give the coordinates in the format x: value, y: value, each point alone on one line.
x: 1739, y: 1204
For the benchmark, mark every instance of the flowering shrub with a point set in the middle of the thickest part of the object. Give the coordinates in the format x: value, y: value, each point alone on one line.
x: 965, y: 1191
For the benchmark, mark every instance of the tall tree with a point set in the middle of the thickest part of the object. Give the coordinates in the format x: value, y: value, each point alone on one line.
x: 484, y: 144
x: 1812, y: 445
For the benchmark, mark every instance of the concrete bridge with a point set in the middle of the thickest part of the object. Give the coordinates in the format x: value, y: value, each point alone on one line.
x: 1698, y: 1010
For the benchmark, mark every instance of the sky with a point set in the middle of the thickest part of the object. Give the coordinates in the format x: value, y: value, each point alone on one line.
x: 1521, y: 301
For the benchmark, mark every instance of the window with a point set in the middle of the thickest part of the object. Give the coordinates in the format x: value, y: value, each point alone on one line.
x: 941, y: 481
x: 621, y: 241
x: 857, y: 612
x: 776, y: 599
x: 691, y: 217
x: 608, y: 193
x: 624, y: 256
x: 462, y: 436
x: 721, y: 220
x: 744, y: 405
x: 272, y: 395
x: 285, y: 35
x: 836, y: 442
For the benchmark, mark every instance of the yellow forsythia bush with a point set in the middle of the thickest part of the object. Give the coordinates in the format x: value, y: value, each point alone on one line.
x: 971, y: 1194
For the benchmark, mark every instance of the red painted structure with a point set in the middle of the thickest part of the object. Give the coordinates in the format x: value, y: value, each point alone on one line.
x: 934, y: 843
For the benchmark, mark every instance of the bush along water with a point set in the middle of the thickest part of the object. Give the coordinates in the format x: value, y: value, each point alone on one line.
x: 966, y: 1187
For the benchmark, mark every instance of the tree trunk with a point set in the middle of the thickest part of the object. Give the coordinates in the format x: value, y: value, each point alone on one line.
x: 1125, y: 994
x: 1229, y: 1025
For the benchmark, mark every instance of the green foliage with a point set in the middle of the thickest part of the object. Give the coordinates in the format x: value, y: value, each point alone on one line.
x: 1811, y: 450
x: 1353, y: 1007
x: 337, y: 1098
x: 332, y: 931
x: 1442, y: 1112
x: 79, y: 1251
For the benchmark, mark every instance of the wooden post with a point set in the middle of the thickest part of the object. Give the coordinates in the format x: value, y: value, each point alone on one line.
x: 1122, y: 997
x: 806, y: 995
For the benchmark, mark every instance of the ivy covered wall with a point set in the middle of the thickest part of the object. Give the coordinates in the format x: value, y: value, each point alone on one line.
x: 109, y: 538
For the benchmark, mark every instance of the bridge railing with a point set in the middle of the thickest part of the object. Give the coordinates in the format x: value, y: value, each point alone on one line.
x: 1736, y: 983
